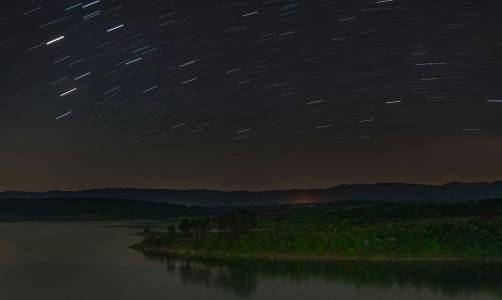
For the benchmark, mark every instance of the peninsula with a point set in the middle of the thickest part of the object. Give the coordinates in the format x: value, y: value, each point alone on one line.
x: 466, y: 231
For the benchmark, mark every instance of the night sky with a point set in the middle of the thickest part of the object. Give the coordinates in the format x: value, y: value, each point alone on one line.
x: 248, y: 94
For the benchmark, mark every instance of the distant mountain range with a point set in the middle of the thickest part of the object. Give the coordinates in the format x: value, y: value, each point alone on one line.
x: 92, y: 209
x: 397, y: 192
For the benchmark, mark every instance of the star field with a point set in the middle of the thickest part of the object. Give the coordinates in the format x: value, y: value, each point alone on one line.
x: 248, y: 94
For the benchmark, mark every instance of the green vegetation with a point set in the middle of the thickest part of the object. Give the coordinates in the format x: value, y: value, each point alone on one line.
x: 464, y: 231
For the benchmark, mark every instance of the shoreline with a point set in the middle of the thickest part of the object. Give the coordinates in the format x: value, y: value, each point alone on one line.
x: 187, y: 253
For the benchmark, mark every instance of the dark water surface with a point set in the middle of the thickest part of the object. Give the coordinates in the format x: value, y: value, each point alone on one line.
x: 88, y: 260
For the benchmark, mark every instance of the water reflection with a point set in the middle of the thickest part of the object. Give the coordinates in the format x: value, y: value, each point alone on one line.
x: 211, y: 274
x: 5, y: 250
x: 89, y: 260
x: 242, y: 277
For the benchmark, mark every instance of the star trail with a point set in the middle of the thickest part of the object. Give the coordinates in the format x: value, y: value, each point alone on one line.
x: 248, y: 94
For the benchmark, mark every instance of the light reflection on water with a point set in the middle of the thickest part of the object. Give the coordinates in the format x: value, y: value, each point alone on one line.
x: 5, y: 250
x: 243, y: 277
x: 87, y: 260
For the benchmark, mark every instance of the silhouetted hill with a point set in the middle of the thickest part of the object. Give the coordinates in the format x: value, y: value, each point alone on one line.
x: 358, y: 192
x: 77, y: 208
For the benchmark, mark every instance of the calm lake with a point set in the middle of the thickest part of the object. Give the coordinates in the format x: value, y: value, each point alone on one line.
x: 90, y: 260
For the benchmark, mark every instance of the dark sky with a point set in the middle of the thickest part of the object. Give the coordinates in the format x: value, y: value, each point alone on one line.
x: 248, y: 94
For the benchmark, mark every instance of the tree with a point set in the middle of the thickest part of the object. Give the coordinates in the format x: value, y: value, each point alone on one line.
x: 186, y: 227
x: 171, y: 231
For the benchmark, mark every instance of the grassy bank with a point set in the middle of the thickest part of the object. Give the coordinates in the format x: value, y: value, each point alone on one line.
x: 464, y: 231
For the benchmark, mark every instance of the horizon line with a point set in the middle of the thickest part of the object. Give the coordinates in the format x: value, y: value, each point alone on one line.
x: 249, y: 190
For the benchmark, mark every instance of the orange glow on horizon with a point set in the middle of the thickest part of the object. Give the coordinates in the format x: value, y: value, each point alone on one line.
x: 305, y: 200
